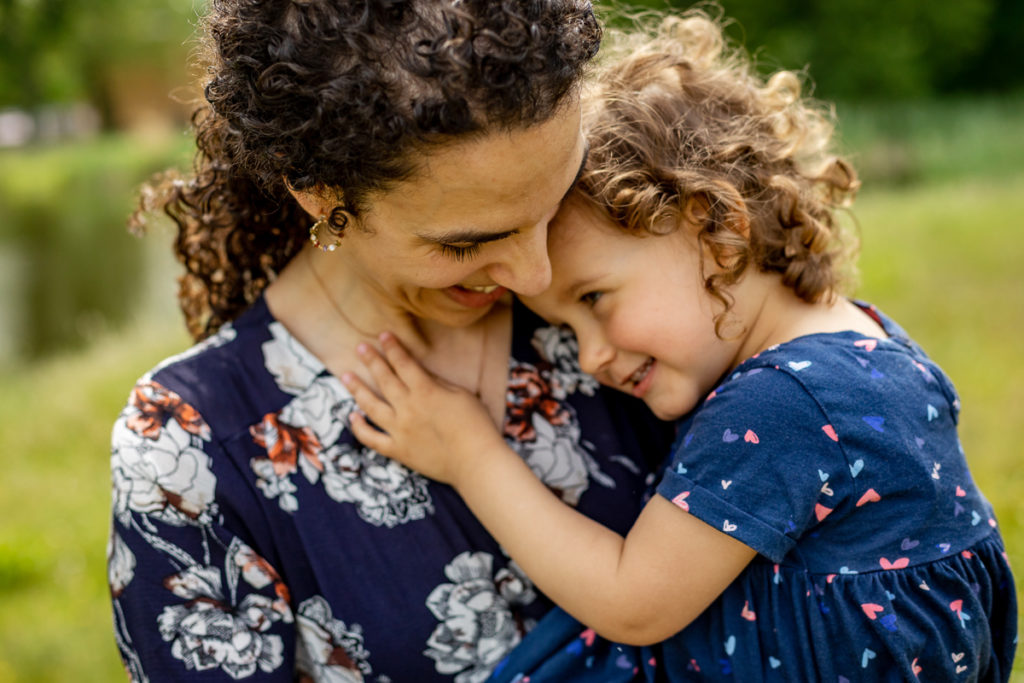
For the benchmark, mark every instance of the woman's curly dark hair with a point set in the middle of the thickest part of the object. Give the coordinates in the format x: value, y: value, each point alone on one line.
x: 677, y: 114
x: 342, y: 96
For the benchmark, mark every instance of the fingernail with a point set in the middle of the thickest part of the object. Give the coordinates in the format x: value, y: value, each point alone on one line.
x: 361, y: 348
x: 346, y: 378
x: 385, y: 336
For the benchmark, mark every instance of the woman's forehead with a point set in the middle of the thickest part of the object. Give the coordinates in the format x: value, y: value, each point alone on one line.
x: 496, y: 182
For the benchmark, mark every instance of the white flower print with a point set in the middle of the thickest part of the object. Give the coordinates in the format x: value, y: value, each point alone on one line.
x: 324, y: 407
x: 559, y: 460
x: 384, y: 492
x: 558, y: 346
x: 321, y: 402
x: 206, y: 633
x: 167, y: 477
x: 289, y: 448
x: 477, y: 626
x: 120, y: 564
x: 293, y: 367
x: 545, y: 431
x: 328, y: 651
x: 258, y: 573
x: 273, y: 485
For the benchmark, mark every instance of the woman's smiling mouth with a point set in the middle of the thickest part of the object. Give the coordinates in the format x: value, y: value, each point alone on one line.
x: 475, y: 296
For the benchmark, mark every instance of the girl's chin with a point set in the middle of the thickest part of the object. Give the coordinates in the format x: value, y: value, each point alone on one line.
x: 669, y: 410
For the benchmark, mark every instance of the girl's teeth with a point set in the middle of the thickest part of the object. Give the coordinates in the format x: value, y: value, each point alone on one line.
x: 641, y: 371
x: 485, y: 289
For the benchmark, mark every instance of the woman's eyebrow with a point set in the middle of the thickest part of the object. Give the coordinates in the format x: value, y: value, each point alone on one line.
x: 470, y: 236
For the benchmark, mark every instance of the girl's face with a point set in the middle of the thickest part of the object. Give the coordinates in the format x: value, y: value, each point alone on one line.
x: 471, y: 225
x: 642, y: 318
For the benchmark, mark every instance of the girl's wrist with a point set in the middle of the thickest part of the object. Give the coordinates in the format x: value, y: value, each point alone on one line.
x: 485, y: 456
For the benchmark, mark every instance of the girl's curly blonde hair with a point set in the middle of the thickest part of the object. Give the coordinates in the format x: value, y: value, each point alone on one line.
x: 678, y: 115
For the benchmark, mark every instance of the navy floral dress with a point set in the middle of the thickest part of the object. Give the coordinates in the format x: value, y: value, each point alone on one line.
x: 254, y: 539
x: 835, y: 457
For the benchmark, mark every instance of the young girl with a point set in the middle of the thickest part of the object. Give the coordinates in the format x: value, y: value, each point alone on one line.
x: 816, y: 519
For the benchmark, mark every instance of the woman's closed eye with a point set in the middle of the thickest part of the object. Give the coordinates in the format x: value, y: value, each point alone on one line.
x: 459, y: 252
x: 591, y: 298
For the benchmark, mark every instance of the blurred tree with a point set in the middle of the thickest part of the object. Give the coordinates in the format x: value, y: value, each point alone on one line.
x: 878, y: 49
x: 64, y: 50
x: 54, y: 51
x: 998, y: 65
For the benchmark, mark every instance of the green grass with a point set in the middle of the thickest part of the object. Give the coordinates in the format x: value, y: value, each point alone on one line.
x: 55, y: 421
x: 913, y: 142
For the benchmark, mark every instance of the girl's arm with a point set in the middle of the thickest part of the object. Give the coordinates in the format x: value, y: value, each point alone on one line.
x: 636, y: 590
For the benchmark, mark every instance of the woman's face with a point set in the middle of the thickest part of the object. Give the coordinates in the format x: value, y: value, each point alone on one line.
x: 472, y: 224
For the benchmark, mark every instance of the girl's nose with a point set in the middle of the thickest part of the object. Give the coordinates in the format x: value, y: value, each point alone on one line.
x: 596, y: 354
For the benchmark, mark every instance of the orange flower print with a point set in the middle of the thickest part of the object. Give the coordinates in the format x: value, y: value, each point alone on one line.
x: 259, y: 573
x: 156, y: 404
x: 284, y: 443
x: 529, y: 393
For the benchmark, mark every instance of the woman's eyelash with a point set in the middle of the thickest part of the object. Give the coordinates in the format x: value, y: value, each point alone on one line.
x: 459, y: 253
x: 590, y: 298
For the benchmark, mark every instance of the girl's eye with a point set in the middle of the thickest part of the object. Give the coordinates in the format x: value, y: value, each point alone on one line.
x: 459, y: 253
x: 591, y: 298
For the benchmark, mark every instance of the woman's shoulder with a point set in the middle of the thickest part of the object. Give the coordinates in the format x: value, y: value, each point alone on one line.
x: 247, y: 368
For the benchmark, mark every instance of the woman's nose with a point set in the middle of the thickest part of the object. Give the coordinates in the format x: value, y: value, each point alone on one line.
x: 524, y: 266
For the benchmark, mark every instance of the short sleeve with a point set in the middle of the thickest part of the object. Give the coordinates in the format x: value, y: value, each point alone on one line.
x: 753, y: 462
x: 191, y: 600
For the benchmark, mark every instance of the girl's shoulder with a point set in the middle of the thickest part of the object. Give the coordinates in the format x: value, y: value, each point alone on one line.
x: 838, y: 367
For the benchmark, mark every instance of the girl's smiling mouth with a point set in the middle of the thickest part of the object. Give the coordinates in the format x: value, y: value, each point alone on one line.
x: 640, y: 379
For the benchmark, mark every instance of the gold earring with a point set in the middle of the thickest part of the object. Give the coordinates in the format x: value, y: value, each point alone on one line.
x: 314, y: 237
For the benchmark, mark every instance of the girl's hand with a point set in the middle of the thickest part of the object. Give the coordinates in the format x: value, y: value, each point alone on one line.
x: 427, y: 424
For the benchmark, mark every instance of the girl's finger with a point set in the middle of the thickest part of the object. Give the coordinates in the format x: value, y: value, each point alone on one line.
x: 370, y: 437
x: 391, y: 387
x: 407, y: 368
x: 376, y: 408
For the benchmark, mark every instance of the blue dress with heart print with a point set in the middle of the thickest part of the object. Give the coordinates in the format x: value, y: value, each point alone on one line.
x: 835, y: 457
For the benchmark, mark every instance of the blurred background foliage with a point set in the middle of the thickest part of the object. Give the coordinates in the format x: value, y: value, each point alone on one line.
x: 55, y: 51
x: 876, y: 50
x: 94, y: 99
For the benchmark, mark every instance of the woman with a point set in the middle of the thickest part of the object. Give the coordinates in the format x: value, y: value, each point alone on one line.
x: 422, y: 146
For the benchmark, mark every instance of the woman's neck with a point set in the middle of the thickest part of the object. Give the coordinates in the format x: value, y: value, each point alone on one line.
x: 330, y: 308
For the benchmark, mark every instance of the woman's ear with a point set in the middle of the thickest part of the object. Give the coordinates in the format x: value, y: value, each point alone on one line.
x: 313, y: 201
